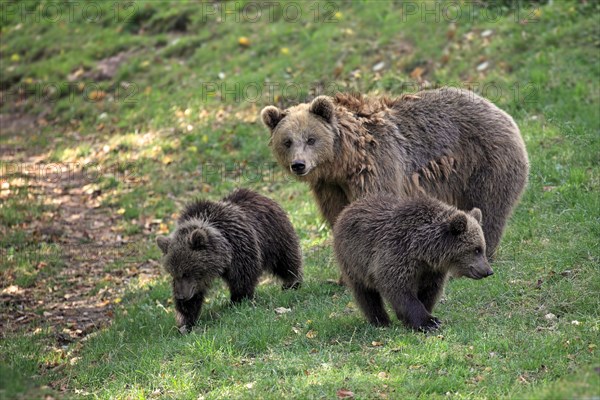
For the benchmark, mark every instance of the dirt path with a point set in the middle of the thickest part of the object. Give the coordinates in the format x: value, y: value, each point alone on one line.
x: 78, y: 242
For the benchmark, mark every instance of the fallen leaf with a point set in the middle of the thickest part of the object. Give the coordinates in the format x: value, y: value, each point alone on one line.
x: 376, y: 344
x: 163, y: 228
x: 487, y: 33
x: 417, y: 73
x: 483, y: 66
x: 451, y: 32
x: 282, y: 310
x: 379, y: 66
x: 344, y: 394
x: 244, y: 41
x: 311, y: 334
x: 592, y: 347
x: 97, y: 95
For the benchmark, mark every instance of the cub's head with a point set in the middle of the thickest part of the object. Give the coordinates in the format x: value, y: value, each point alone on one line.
x: 465, y: 245
x: 194, y: 255
x: 303, y: 137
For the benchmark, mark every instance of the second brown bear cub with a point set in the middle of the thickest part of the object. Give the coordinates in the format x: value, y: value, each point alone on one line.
x: 404, y: 251
x: 236, y: 239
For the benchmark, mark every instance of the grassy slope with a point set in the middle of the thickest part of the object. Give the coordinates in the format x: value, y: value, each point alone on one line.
x: 495, y: 341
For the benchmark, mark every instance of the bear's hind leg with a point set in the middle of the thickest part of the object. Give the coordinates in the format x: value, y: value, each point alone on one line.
x: 371, y: 304
x: 289, y: 269
x: 239, y: 294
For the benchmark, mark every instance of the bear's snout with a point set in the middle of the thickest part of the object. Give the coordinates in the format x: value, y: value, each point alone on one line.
x: 483, y: 270
x: 298, y: 167
x: 183, y: 289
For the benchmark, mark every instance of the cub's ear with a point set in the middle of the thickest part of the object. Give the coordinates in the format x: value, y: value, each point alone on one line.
x: 476, y: 213
x: 271, y: 116
x: 457, y: 224
x: 198, y: 239
x: 163, y: 243
x: 323, y: 107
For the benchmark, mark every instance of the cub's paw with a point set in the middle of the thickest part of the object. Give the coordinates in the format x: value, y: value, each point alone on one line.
x: 431, y: 324
x: 380, y: 321
x: 184, y: 329
x: 291, y: 285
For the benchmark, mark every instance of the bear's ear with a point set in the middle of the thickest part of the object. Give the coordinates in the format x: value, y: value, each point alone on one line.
x: 271, y: 116
x: 198, y: 239
x: 163, y: 243
x: 457, y: 224
x: 476, y: 213
x: 323, y: 107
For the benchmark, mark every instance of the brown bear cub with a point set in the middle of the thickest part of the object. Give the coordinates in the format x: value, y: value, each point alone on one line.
x: 403, y: 251
x: 236, y: 239
x: 448, y: 143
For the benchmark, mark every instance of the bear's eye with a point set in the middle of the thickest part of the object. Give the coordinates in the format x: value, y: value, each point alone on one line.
x: 185, y: 275
x: 478, y: 250
x: 310, y: 141
x: 287, y: 143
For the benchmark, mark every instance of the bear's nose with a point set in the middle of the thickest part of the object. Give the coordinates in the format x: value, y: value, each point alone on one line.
x: 298, y: 166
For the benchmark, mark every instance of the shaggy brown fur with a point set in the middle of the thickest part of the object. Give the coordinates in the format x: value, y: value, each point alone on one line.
x: 236, y: 239
x: 448, y: 143
x: 404, y: 251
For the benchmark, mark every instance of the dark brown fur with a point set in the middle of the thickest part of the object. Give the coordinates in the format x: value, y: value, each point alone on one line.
x: 448, y: 143
x: 404, y: 251
x: 236, y: 239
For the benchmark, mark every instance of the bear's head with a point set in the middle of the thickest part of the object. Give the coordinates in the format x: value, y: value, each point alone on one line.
x: 194, y: 255
x: 303, y: 137
x: 465, y: 245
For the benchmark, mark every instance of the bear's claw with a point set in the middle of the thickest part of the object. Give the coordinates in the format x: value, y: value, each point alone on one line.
x: 183, y: 329
x: 432, y: 324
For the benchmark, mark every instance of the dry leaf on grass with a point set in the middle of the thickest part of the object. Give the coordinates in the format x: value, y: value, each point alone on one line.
x: 344, y: 394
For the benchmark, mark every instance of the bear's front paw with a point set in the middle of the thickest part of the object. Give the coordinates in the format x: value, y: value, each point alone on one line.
x: 184, y: 329
x: 292, y: 285
x: 431, y: 324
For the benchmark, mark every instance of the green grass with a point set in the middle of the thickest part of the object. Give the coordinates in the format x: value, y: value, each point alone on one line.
x: 159, y: 138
